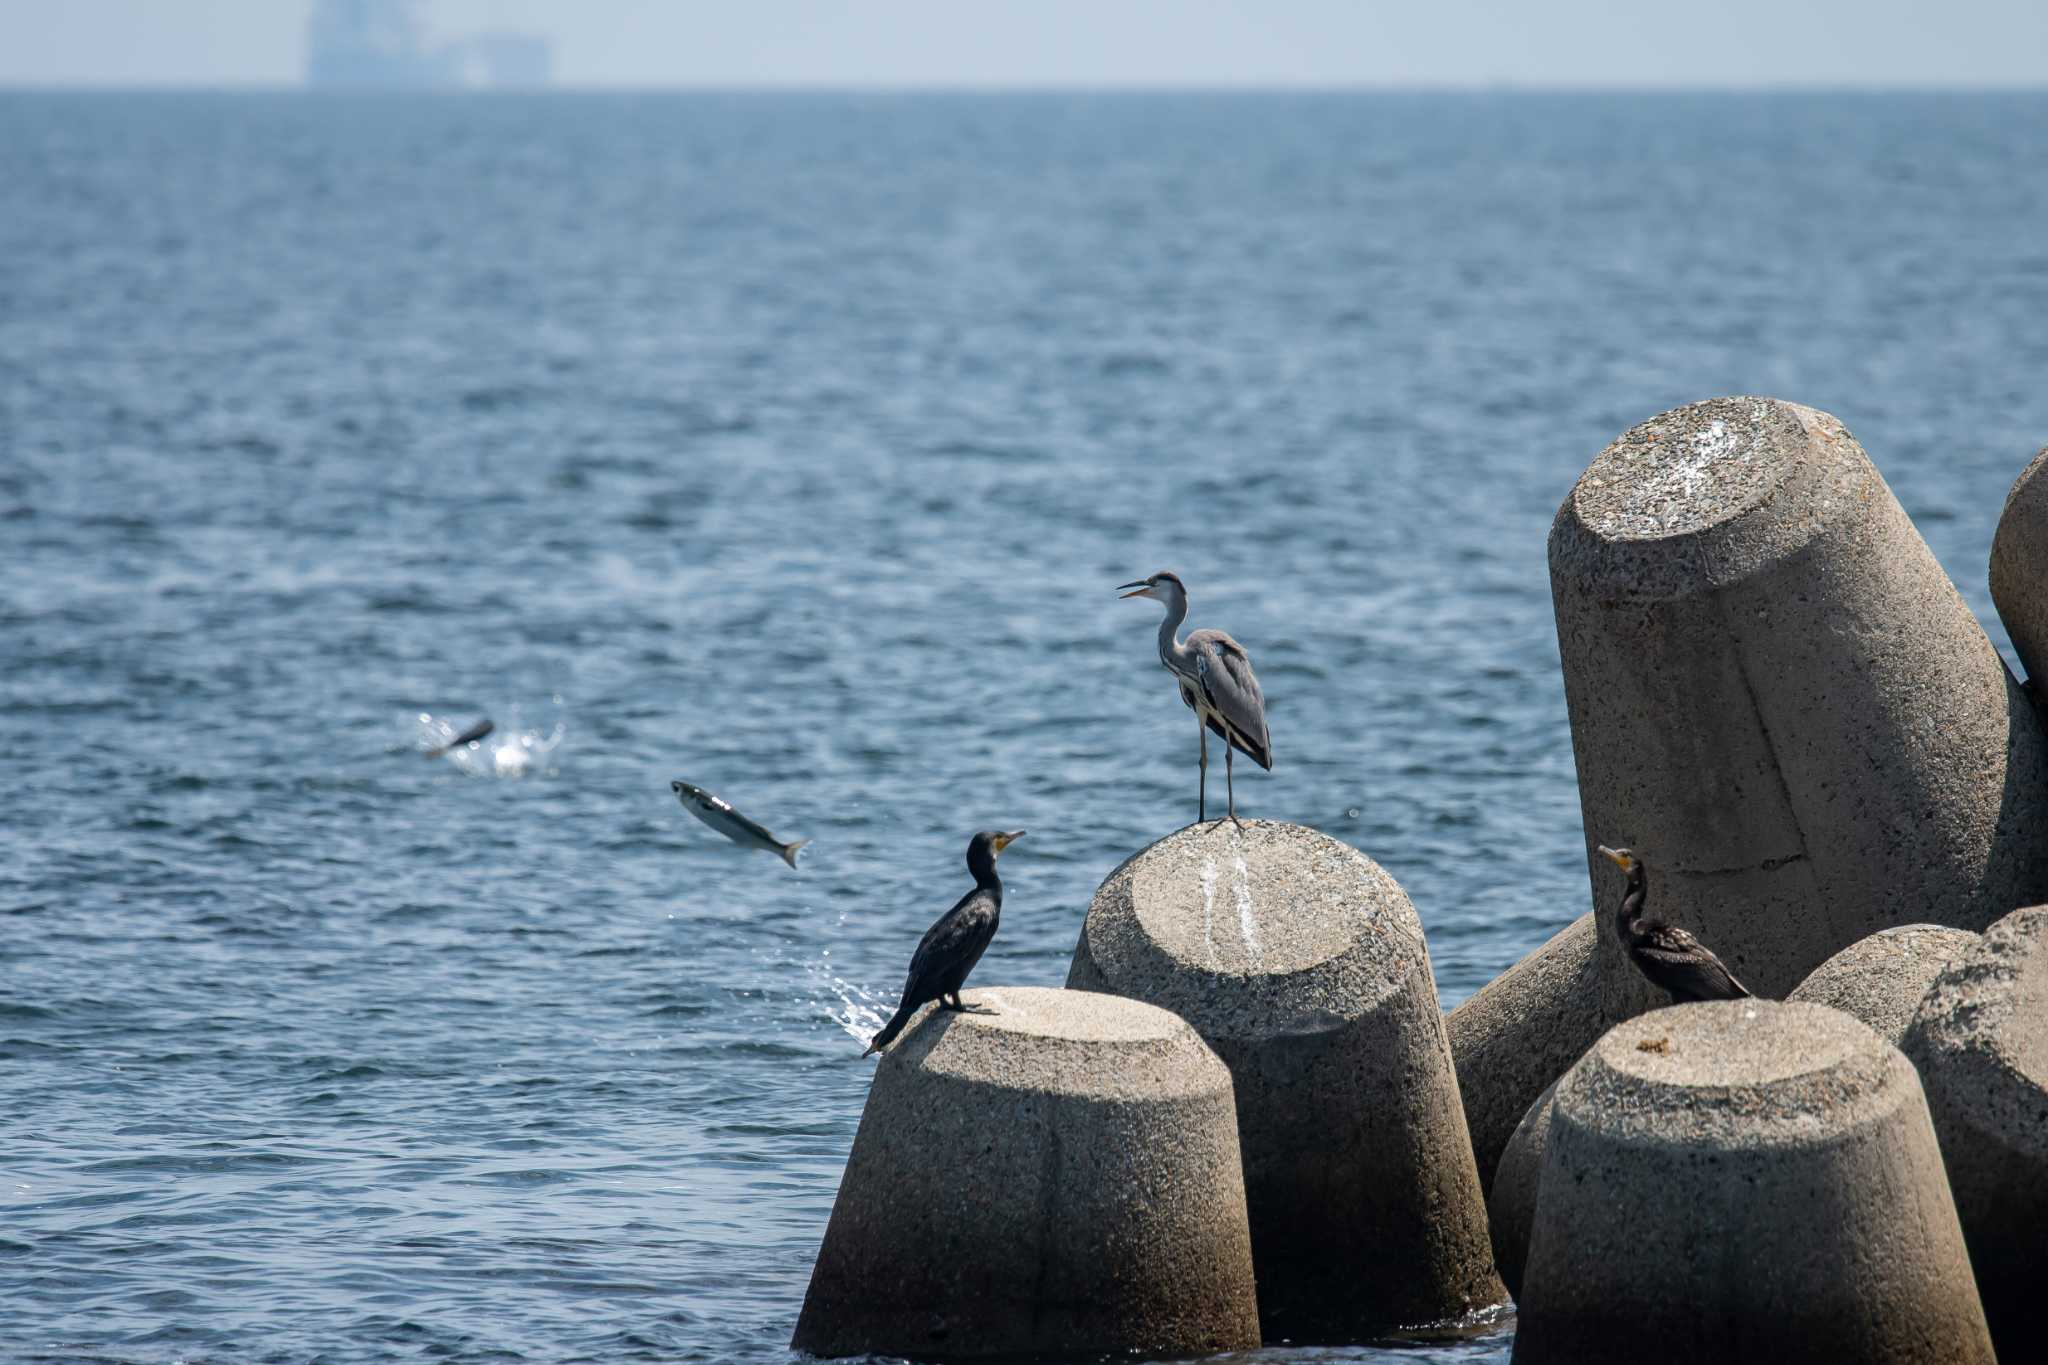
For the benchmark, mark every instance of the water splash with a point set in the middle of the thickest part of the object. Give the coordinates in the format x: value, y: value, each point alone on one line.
x: 509, y: 752
x: 859, y: 1012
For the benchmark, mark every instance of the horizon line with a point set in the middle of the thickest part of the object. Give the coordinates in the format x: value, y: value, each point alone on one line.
x: 1135, y: 87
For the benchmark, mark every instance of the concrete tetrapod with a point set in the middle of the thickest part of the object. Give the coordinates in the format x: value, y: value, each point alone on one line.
x: 1303, y: 965
x: 2019, y: 568
x: 1053, y: 1173
x: 1879, y: 980
x: 1511, y: 1199
x: 1745, y: 1180
x: 1779, y: 700
x: 1882, y: 979
x: 1520, y: 1031
x: 1981, y: 1043
x: 1782, y: 704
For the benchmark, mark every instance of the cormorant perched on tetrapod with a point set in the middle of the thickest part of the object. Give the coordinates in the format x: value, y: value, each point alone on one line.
x: 951, y: 947
x: 1666, y: 954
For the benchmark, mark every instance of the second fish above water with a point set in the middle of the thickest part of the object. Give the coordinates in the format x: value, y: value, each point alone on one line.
x: 718, y: 813
x: 472, y: 735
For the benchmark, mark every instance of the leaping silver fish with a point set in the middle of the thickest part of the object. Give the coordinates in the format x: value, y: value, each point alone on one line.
x: 718, y: 813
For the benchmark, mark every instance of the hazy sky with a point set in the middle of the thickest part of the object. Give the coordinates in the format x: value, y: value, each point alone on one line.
x: 1090, y: 42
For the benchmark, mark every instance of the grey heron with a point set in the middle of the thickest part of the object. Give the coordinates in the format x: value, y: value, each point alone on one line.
x: 1666, y: 954
x: 952, y: 946
x: 1215, y: 676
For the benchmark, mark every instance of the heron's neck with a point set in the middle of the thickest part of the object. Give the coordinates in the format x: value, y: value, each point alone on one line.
x: 1170, y: 647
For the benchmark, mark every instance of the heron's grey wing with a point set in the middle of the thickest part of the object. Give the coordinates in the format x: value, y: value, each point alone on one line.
x: 1231, y: 690
x: 1686, y: 967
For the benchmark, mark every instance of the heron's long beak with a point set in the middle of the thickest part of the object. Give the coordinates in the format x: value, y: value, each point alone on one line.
x: 1618, y: 858
x: 1144, y: 589
x: 1003, y: 841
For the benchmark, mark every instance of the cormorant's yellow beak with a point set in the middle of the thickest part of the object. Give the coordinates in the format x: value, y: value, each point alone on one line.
x: 1003, y: 841
x: 1618, y: 856
x: 1144, y: 589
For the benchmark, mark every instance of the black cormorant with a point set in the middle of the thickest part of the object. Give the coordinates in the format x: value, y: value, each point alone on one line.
x: 951, y: 947
x: 1666, y: 954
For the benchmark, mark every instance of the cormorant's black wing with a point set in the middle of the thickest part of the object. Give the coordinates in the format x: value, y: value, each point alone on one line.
x: 1684, y: 966
x: 959, y: 936
x: 944, y: 956
x: 1229, y: 687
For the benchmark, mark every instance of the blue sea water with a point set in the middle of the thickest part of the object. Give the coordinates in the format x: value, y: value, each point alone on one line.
x: 792, y: 445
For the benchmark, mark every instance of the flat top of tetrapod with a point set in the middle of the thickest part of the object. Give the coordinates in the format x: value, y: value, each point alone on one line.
x: 1882, y: 977
x: 1273, y: 929
x: 1755, y: 1072
x: 1069, y: 1016
x: 1735, y: 1043
x: 1690, y: 468
x: 1271, y: 899
x: 1062, y: 1042
x: 1992, y: 1003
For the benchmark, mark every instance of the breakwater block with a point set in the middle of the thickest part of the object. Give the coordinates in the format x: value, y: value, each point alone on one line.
x: 1882, y: 979
x: 2019, y: 568
x: 1511, y: 1199
x: 1302, y: 963
x: 1051, y: 1173
x: 1981, y: 1043
x: 1520, y: 1032
x: 1745, y: 1180
x: 1778, y: 699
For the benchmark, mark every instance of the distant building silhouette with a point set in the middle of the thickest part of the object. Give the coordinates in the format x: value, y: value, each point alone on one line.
x: 370, y: 43
x: 380, y: 45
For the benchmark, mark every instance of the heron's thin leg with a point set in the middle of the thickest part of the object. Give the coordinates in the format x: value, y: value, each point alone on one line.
x: 1229, y: 785
x: 1202, y: 805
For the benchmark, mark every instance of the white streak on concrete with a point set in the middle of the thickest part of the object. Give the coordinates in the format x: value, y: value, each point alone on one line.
x: 1245, y: 924
x: 1209, y: 907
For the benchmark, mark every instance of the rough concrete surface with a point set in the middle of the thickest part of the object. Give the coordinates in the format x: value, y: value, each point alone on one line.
x: 1881, y: 979
x: 1779, y: 700
x: 1302, y: 964
x: 1520, y: 1032
x: 1511, y: 1200
x: 2019, y: 567
x: 1745, y: 1180
x: 1055, y: 1173
x: 1981, y: 1043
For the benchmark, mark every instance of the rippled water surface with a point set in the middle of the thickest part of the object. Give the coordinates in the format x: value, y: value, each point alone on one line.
x: 792, y: 446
